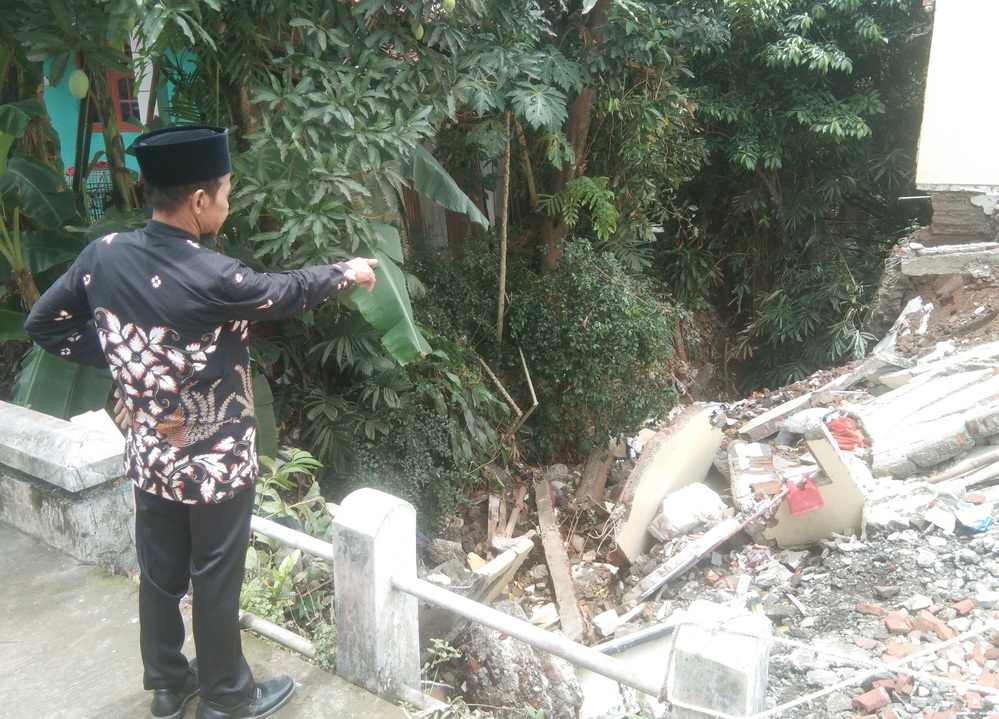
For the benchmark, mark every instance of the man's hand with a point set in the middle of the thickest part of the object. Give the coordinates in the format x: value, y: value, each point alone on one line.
x: 121, y: 414
x: 364, y: 271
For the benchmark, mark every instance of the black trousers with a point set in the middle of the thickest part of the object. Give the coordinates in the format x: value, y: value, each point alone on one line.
x: 203, y: 546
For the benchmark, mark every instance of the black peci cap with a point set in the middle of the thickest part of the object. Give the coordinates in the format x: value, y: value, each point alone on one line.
x: 182, y: 155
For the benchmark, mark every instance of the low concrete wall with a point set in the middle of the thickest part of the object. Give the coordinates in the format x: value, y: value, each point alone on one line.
x: 65, y: 484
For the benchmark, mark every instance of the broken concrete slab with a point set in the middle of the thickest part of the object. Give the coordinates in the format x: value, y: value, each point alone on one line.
x: 882, y: 416
x: 676, y: 456
x: 719, y: 662
x: 842, y: 497
x: 950, y: 259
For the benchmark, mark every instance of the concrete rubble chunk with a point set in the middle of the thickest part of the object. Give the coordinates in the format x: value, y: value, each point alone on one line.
x: 685, y: 510
x: 504, y: 672
x: 719, y: 662
x: 676, y: 456
x: 843, y: 499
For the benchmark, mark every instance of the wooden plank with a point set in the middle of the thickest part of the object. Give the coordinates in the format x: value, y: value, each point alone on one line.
x: 558, y: 564
x: 591, y: 484
x: 518, y: 507
x: 493, y: 523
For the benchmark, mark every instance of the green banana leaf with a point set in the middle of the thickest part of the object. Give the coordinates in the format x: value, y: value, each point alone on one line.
x: 6, y: 140
x: 63, y: 389
x: 431, y: 180
x: 263, y: 409
x: 38, y: 185
x: 12, y: 325
x: 15, y: 116
x: 387, y: 307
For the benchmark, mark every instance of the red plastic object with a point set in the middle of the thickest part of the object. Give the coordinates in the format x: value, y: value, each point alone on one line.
x: 804, y: 498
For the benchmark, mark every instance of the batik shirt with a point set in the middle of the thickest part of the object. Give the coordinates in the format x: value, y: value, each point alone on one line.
x: 170, y: 320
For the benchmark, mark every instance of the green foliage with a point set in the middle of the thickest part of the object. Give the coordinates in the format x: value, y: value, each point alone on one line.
x: 584, y: 192
x: 809, y: 113
x: 597, y: 342
x: 596, y: 339
x: 811, y: 320
x: 285, y: 586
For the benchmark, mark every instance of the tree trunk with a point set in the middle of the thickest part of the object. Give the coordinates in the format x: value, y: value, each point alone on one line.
x: 554, y: 230
x: 123, y: 190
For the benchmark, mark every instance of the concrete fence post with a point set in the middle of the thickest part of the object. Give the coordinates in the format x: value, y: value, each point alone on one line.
x: 374, y: 535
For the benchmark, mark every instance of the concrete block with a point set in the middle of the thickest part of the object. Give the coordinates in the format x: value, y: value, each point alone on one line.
x: 64, y: 484
x: 675, y: 457
x: 66, y: 455
x: 377, y: 626
x: 719, y: 662
x: 843, y: 499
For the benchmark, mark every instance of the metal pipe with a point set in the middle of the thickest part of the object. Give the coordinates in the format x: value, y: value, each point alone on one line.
x: 552, y: 643
x: 278, y: 634
x: 293, y: 538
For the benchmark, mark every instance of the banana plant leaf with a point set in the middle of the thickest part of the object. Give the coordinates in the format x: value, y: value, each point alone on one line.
x: 6, y: 141
x: 38, y: 185
x: 44, y: 249
x: 431, y: 180
x: 15, y: 116
x: 263, y: 409
x: 51, y: 385
x: 12, y: 325
x: 387, y: 307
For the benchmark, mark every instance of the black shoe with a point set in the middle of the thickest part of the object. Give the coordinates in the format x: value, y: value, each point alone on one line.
x: 263, y: 701
x: 171, y: 703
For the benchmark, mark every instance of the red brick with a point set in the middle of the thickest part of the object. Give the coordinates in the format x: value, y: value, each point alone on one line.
x: 975, y: 498
x: 988, y: 679
x: 964, y: 606
x: 992, y: 653
x: 924, y: 625
x: 973, y: 700
x: 887, y: 684
x: 871, y: 701
x: 901, y: 649
x: 897, y: 623
x: 978, y: 655
x: 876, y: 609
x: 864, y: 642
x: 904, y: 684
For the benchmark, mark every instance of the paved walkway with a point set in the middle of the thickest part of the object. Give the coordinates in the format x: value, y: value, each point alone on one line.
x: 69, y: 647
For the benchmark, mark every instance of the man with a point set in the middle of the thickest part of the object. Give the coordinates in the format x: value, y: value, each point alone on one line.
x: 169, y: 317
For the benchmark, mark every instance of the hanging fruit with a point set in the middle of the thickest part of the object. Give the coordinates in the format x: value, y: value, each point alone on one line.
x: 79, y: 84
x: 417, y: 30
x: 448, y: 5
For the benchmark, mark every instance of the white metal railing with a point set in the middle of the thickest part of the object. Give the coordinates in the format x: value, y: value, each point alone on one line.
x: 376, y: 587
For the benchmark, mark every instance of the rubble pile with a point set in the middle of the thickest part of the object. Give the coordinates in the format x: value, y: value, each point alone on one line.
x: 853, y: 510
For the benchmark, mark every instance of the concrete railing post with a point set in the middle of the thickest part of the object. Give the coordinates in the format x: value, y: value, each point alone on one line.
x: 377, y: 625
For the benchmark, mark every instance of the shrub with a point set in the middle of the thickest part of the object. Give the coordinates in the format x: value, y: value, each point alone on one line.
x: 596, y: 339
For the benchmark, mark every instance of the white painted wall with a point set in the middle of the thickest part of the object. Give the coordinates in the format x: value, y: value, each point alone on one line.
x: 958, y: 145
